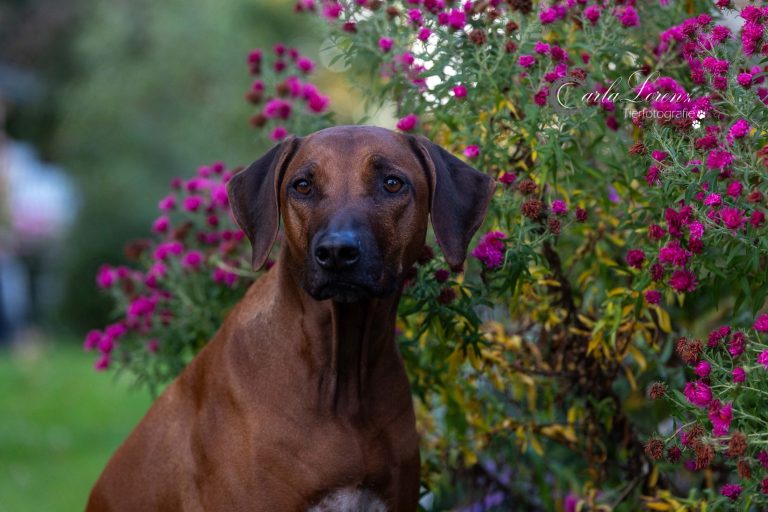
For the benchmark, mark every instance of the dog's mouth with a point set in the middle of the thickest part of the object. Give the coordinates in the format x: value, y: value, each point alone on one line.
x: 343, y: 292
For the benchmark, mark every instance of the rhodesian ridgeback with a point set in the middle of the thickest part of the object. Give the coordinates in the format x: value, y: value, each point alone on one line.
x: 301, y: 402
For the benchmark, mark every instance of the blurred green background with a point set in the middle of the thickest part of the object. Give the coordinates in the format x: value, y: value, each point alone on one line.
x: 119, y: 96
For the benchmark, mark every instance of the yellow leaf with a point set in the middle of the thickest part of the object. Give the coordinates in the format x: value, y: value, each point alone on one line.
x: 536, y: 445
x: 664, y: 321
x: 638, y: 357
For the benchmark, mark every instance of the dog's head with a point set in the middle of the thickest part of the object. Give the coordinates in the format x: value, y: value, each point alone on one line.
x: 355, y: 203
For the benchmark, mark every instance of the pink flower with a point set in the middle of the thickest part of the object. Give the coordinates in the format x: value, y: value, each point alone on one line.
x: 559, y: 207
x: 734, y: 189
x: 472, y: 151
x: 713, y: 200
x: 162, y: 251
x: 192, y: 260
x: 91, y: 340
x: 744, y: 79
x: 737, y: 345
x: 635, y: 258
x: 408, y: 123
x: 385, y: 44
x: 332, y: 10
x: 490, y: 251
x: 167, y: 203
x: 739, y: 375
x: 424, y: 34
x: 673, y: 254
x: 592, y: 13
x: 224, y: 277
x: 739, y: 130
x: 731, y: 491
x: 761, y: 323
x: 277, y: 108
x: 698, y: 393
x: 526, y: 61
x: 733, y: 218
x: 547, y: 16
x: 721, y: 417
x: 508, y: 178
x: 193, y: 203
x: 702, y: 369
x: 652, y: 296
x: 762, y: 458
x: 659, y: 156
x: 457, y: 19
x: 683, y: 281
x: 305, y: 65
x: 540, y: 98
x: 161, y: 224
x: 106, y: 344
x: 460, y: 92
x: 541, y: 48
x: 152, y: 346
x: 628, y: 16
x: 718, y: 159
x: 278, y: 133
x: 757, y: 218
x: 115, y: 330
x: 106, y: 277
x: 102, y: 363
x: 762, y: 358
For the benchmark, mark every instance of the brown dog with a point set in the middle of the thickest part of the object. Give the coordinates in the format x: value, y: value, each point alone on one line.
x: 301, y: 402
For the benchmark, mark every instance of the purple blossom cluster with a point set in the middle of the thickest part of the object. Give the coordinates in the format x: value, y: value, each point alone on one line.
x: 289, y: 93
x: 195, y: 238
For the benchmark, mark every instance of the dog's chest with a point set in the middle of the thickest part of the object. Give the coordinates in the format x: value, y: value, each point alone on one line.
x: 350, y: 499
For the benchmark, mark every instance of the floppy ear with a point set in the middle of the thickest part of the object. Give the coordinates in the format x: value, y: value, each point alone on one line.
x: 254, y: 198
x: 459, y: 198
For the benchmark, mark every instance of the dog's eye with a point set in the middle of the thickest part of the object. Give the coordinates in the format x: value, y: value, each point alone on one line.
x: 393, y: 184
x: 302, y: 186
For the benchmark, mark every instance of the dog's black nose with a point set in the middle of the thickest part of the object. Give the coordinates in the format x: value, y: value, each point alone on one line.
x: 338, y: 250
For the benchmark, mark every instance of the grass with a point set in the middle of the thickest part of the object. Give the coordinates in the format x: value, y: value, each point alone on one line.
x: 59, y: 423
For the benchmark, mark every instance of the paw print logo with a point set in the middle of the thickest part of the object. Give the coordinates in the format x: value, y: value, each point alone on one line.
x: 700, y: 114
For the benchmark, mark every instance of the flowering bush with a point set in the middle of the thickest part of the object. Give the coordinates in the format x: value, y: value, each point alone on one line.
x: 628, y: 142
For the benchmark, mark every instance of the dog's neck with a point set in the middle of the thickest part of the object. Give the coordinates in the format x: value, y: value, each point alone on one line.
x: 344, y: 345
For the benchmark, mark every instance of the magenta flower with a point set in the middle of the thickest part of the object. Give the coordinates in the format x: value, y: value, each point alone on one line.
x: 192, y: 260
x: 652, y: 296
x: 305, y: 65
x: 721, y: 416
x: 152, y: 346
x: 731, y: 491
x: 761, y: 323
x: 162, y: 251
x: 457, y: 19
x: 472, y: 151
x: 490, y: 251
x: 91, y: 340
x: 739, y: 375
x: 713, y: 200
x: 592, y: 13
x: 762, y: 458
x: 460, y: 92
x: 106, y: 344
x: 744, y: 79
x: 733, y: 218
x: 102, y: 363
x: 683, y: 281
x: 408, y: 123
x: 541, y: 47
x: 192, y: 203
x: 635, y: 258
x: 559, y: 207
x: 526, y: 61
x: 658, y: 155
x: 739, y: 130
x: 161, y: 224
x: 548, y: 16
x: 737, y: 345
x: 673, y: 254
x: 279, y: 133
x: 508, y: 178
x: 702, y: 369
x: 718, y: 159
x: 628, y: 16
x: 277, y: 108
x: 106, y: 276
x: 424, y: 34
x: 224, y: 277
x: 734, y: 189
x: 698, y: 393
x: 385, y: 44
x: 762, y: 358
x: 167, y: 203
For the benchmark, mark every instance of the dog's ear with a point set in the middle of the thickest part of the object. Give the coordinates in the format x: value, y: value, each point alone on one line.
x: 254, y: 198
x: 459, y: 198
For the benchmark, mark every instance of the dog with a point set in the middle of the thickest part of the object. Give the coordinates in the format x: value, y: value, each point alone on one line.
x: 301, y: 402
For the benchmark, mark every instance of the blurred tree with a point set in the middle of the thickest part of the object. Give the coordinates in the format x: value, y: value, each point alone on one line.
x: 156, y: 94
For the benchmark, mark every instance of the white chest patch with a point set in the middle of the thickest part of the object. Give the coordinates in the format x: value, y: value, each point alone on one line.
x: 350, y: 499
